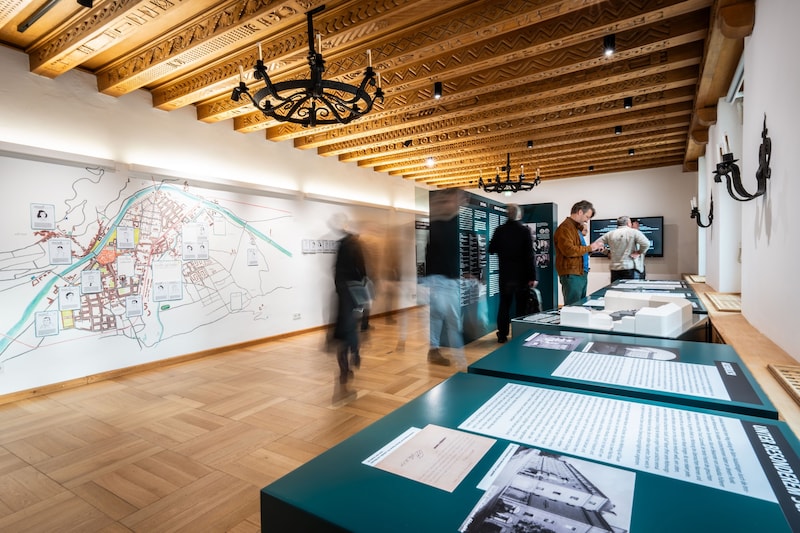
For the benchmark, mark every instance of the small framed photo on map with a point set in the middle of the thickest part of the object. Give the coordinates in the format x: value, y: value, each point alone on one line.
x: 134, y: 306
x: 69, y: 299
x: 43, y: 216
x: 60, y: 251
x: 46, y: 323
x: 91, y: 282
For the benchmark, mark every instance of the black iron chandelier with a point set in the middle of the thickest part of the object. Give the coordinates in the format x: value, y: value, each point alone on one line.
x: 313, y: 101
x: 508, y: 184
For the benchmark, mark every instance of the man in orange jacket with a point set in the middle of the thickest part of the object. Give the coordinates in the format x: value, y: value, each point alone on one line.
x: 570, y: 251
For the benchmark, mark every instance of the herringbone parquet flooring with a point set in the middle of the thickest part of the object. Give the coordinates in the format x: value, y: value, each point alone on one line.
x: 187, y: 447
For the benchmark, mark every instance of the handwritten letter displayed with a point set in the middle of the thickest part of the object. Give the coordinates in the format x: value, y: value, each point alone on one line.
x: 436, y: 456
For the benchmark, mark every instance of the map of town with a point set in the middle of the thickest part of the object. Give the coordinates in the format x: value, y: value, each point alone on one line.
x: 138, y: 262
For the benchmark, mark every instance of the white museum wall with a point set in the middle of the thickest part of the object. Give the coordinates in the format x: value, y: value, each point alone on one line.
x: 723, y: 238
x: 47, y: 125
x: 704, y: 171
x: 69, y: 115
x: 654, y: 192
x: 770, y: 288
x: 222, y: 300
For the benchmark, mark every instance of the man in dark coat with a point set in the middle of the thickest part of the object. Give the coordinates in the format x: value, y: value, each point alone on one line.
x: 350, y: 267
x: 514, y: 247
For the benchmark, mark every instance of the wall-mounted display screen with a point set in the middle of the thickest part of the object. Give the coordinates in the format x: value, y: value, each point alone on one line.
x: 652, y: 227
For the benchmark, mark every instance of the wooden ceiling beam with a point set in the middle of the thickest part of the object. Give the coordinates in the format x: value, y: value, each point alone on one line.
x: 527, y: 55
x: 555, y: 159
x: 732, y: 21
x: 463, y: 94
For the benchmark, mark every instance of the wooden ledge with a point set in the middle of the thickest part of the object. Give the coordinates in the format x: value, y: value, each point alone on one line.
x: 758, y: 352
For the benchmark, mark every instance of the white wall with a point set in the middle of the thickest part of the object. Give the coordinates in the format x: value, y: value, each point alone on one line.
x: 65, y: 119
x: 69, y: 115
x: 770, y: 288
x: 660, y: 191
x: 722, y: 239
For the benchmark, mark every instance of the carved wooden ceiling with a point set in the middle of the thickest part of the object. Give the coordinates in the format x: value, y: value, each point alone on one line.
x: 512, y: 71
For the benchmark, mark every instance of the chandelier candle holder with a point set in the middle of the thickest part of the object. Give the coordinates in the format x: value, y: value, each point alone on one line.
x: 508, y: 184
x: 313, y: 101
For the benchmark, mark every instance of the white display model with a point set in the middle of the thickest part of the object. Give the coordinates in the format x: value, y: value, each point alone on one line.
x: 650, y: 314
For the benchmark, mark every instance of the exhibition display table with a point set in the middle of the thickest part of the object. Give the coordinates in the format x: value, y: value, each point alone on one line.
x: 479, y: 453
x: 696, y: 374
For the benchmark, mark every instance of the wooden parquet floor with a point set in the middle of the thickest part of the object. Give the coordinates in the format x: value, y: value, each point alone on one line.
x: 188, y: 447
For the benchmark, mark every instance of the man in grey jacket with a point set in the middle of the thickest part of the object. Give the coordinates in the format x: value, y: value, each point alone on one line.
x: 625, y: 246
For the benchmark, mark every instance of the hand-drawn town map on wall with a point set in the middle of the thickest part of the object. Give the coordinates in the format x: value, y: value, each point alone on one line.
x: 96, y: 266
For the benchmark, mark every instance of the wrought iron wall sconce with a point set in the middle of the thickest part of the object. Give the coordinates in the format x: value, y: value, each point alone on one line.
x: 733, y: 179
x: 695, y: 214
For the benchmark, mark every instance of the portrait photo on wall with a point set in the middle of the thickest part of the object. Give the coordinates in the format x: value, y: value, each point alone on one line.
x: 46, y: 323
x: 69, y: 299
x: 43, y: 216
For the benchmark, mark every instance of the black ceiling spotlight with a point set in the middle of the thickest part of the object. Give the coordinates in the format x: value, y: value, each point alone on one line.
x: 407, y: 143
x: 312, y: 101
x: 591, y: 168
x: 86, y: 3
x: 437, y: 90
x: 609, y: 44
x: 628, y: 102
x: 530, y: 144
x: 631, y: 151
x: 617, y: 130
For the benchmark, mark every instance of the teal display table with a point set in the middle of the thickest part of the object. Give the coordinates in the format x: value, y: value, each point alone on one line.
x: 696, y: 374
x: 571, y: 459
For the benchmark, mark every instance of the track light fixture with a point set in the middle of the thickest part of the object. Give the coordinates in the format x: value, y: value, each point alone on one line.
x: 437, y: 90
x: 628, y: 102
x: 86, y: 3
x: 311, y: 101
x: 508, y: 184
x: 631, y: 151
x: 591, y: 168
x: 39, y: 13
x: 530, y: 144
x: 617, y: 130
x: 609, y: 44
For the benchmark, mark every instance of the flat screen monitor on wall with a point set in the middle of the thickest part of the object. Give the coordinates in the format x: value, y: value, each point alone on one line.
x: 652, y: 227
